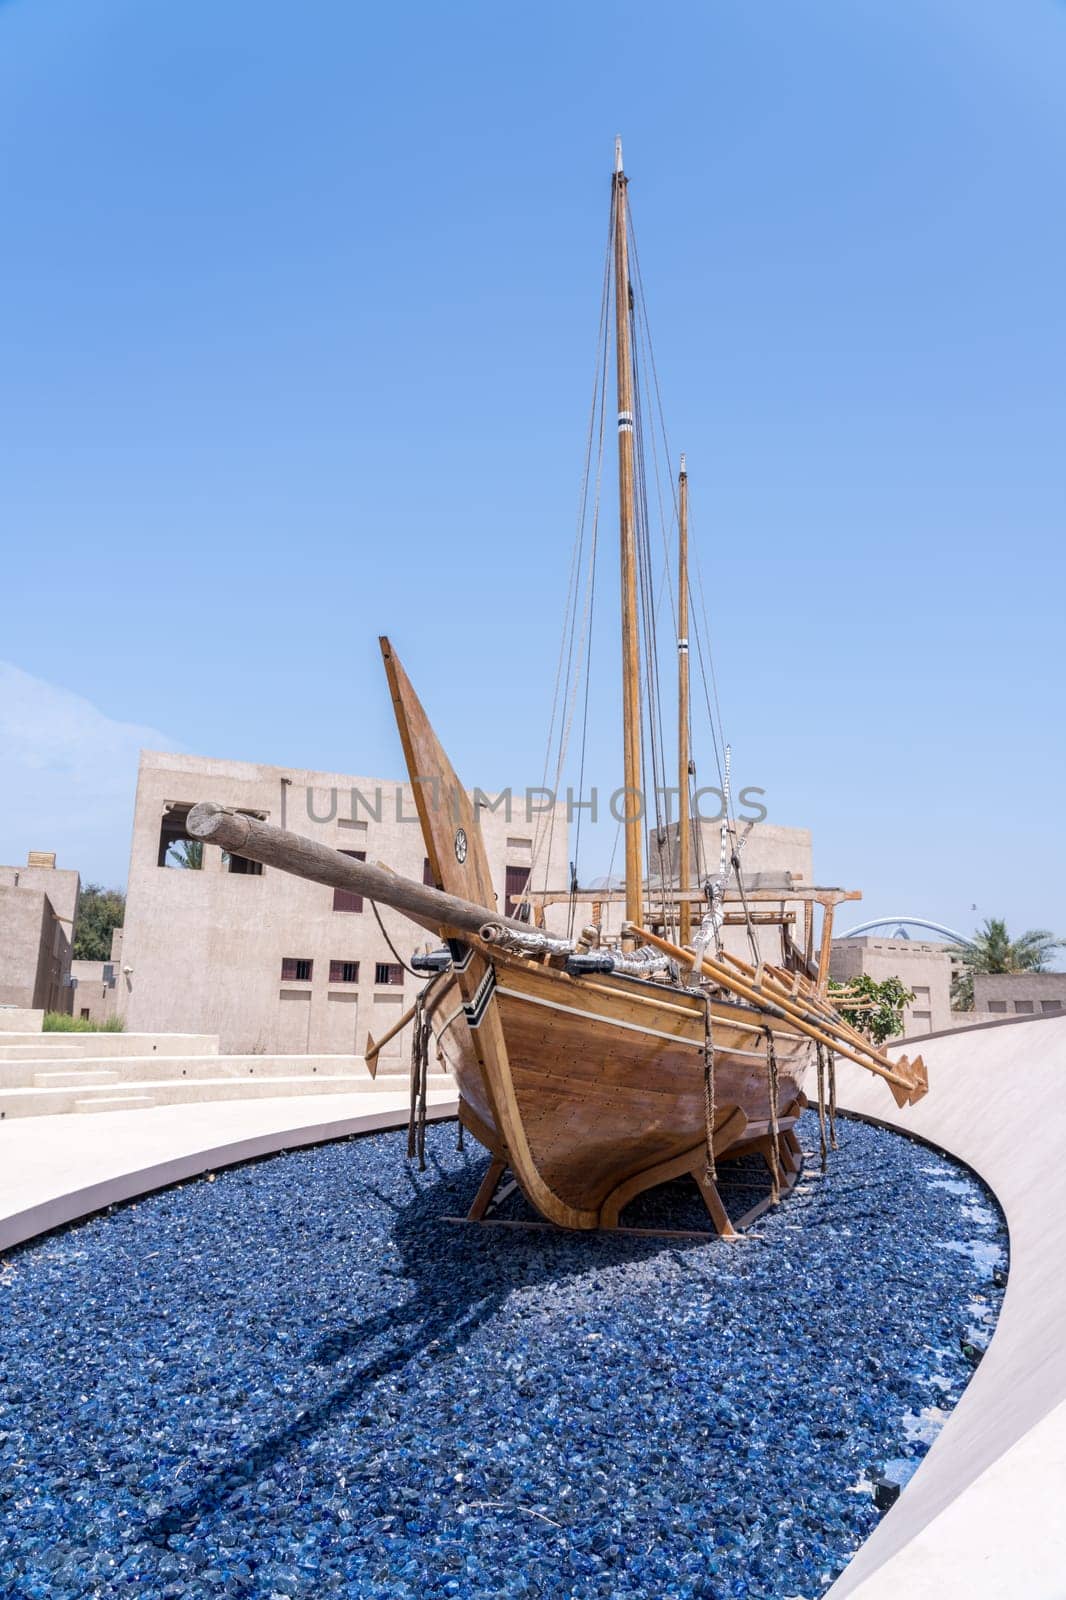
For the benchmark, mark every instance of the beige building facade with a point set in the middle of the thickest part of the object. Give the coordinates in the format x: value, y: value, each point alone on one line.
x: 1018, y: 994
x: 272, y: 963
x: 925, y: 969
x: 38, y: 910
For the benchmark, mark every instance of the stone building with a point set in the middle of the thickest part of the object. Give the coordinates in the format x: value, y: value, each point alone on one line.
x: 38, y: 909
x: 1018, y: 994
x: 274, y: 964
x: 94, y: 988
x: 925, y: 968
x: 95, y: 984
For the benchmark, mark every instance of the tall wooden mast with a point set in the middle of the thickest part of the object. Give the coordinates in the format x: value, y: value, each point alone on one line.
x: 684, y: 828
x: 634, y: 805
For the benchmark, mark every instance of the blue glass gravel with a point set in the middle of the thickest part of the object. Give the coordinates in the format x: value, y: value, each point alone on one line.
x: 300, y: 1380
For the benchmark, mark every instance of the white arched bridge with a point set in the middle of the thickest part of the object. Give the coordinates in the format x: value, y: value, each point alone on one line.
x: 896, y: 928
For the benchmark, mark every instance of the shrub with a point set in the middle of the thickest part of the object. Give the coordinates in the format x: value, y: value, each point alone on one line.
x: 59, y: 1022
x: 878, y: 1012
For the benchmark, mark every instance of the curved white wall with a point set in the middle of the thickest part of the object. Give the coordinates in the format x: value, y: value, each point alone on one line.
x: 983, y: 1516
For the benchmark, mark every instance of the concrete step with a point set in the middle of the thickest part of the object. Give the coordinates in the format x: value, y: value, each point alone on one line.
x: 22, y: 1074
x: 116, y: 1102
x: 31, y: 1046
x: 37, y: 1102
x: 43, y: 1051
x: 77, y: 1079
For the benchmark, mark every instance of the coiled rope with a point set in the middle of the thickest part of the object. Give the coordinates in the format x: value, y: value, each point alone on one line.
x: 775, y: 1147
x: 821, y: 1102
x: 416, y: 1122
x: 708, y: 1088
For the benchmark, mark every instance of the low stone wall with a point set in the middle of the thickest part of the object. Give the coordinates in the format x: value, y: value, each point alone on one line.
x: 18, y: 1019
x: 982, y: 1516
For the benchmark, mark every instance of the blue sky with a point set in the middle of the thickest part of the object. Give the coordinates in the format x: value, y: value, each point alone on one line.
x: 298, y: 319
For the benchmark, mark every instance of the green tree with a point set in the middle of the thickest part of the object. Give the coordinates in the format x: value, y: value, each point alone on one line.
x: 993, y: 950
x: 99, y: 912
x: 879, y: 1011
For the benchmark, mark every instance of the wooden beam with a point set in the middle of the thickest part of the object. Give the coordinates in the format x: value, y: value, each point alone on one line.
x: 826, y: 951
x: 684, y: 832
x: 633, y: 807
x: 307, y: 858
x: 488, y: 1187
x: 772, y: 896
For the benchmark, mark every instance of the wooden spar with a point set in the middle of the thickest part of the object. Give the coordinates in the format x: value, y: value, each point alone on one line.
x: 684, y: 834
x: 306, y: 858
x: 374, y: 1046
x: 796, y: 986
x: 633, y: 805
x: 777, y: 984
x: 773, y: 896
x: 826, y: 950
x: 879, y: 1065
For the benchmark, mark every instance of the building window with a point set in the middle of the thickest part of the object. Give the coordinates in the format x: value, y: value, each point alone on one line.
x: 344, y: 972
x: 347, y: 899
x: 1051, y: 1006
x: 241, y: 864
x: 296, y: 969
x: 389, y: 972
x: 517, y: 883
x: 997, y: 1005
x: 176, y: 847
x: 85, y: 1013
x: 1023, y: 1007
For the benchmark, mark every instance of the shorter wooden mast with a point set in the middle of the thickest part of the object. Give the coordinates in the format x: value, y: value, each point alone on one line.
x: 684, y: 826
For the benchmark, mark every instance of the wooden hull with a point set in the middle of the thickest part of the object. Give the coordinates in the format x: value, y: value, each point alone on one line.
x: 604, y: 1077
x: 588, y: 1088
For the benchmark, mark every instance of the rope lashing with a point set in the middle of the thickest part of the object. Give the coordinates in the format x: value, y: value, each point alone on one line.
x: 821, y: 1103
x: 416, y: 1122
x: 753, y: 940
x: 442, y: 1063
x: 388, y: 941
x: 708, y: 1088
x: 442, y: 1060
x: 832, y: 1100
x: 775, y: 1147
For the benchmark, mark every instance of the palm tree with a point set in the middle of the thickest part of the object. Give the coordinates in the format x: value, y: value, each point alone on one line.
x: 187, y: 853
x: 993, y: 950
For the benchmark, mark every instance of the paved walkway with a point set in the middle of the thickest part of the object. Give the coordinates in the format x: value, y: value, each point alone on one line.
x: 54, y: 1169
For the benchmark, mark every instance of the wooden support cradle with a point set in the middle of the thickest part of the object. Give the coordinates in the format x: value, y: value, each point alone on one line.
x: 733, y: 1138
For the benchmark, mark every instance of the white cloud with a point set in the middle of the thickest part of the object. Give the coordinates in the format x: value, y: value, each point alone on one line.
x: 69, y: 775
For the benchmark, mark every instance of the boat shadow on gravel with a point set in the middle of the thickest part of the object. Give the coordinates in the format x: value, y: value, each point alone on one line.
x: 458, y: 1276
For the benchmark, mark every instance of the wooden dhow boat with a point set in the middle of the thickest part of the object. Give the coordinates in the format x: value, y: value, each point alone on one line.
x: 593, y: 1068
